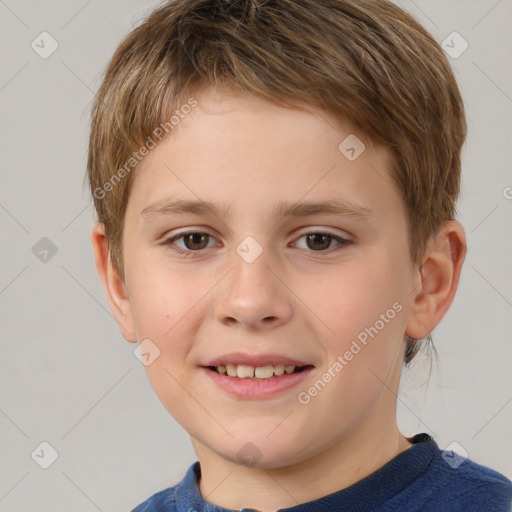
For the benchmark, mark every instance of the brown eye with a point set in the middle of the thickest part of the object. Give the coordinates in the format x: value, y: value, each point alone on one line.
x: 189, y: 242
x: 318, y: 241
x: 195, y: 241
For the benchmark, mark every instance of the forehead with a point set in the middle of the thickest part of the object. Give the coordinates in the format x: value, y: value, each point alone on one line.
x: 248, y: 153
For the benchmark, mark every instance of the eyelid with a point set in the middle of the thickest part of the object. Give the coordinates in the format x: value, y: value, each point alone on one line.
x: 342, y: 240
x: 326, y: 231
x: 309, y: 230
x: 171, y: 239
x: 187, y: 231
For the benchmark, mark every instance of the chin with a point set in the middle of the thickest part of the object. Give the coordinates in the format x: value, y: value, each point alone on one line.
x: 261, y: 453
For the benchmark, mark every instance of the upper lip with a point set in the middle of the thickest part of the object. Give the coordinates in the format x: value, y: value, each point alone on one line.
x: 239, y: 358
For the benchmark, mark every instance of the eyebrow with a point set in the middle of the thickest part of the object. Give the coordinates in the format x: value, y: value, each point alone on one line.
x: 174, y: 206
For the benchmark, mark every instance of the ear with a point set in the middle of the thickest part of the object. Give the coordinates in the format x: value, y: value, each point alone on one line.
x: 439, y: 277
x: 113, y: 284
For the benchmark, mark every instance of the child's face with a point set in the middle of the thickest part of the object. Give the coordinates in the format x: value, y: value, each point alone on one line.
x: 303, y: 299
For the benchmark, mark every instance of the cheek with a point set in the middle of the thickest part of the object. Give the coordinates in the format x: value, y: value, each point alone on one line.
x: 164, y: 313
x: 159, y: 300
x: 352, y: 301
x: 364, y: 310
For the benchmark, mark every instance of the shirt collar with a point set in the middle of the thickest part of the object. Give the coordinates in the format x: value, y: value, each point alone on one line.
x: 369, y: 493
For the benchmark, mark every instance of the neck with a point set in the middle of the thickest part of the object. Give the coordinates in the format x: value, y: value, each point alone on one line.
x: 356, y: 456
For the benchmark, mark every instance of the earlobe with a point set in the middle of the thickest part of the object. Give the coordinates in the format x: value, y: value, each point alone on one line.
x: 113, y: 284
x: 439, y: 275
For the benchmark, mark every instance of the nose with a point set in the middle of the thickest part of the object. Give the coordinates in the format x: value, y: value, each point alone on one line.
x: 253, y: 296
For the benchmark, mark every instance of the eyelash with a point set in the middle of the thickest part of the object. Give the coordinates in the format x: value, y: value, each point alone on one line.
x: 342, y: 242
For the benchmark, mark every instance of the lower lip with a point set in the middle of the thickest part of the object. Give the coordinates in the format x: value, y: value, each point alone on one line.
x: 254, y: 389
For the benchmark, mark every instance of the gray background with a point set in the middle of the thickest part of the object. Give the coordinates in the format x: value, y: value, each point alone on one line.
x: 68, y: 377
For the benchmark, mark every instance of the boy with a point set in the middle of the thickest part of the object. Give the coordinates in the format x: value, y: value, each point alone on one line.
x: 275, y: 185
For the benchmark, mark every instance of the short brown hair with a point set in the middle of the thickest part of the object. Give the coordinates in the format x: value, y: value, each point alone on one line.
x: 366, y: 61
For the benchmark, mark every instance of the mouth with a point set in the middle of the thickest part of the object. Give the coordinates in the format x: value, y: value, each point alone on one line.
x: 267, y: 372
x: 267, y: 377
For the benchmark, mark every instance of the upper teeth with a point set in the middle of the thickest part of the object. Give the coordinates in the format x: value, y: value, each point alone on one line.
x: 260, y: 372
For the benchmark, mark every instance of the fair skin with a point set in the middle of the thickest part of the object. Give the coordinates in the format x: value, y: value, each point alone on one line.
x: 300, y: 298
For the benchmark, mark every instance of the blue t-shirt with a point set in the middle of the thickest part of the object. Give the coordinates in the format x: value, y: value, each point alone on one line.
x: 422, y: 478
